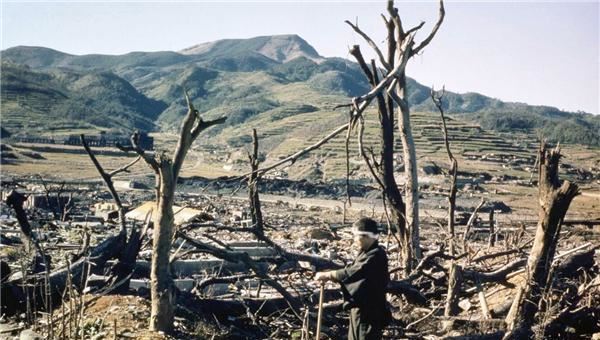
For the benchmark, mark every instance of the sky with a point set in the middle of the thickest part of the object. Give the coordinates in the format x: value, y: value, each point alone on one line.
x: 536, y: 52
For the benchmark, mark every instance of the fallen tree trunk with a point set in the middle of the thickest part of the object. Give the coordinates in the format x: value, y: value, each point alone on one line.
x: 496, y: 275
x: 268, y: 306
x: 20, y: 289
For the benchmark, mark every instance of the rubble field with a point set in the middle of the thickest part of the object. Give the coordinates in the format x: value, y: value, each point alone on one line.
x: 221, y: 299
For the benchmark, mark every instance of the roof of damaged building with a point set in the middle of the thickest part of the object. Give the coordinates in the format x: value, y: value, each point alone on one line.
x: 181, y: 214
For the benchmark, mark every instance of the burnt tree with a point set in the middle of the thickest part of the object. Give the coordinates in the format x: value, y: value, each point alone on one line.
x: 253, y: 179
x: 437, y: 100
x: 166, y: 169
x: 121, y: 272
x: 390, y: 94
x: 555, y: 199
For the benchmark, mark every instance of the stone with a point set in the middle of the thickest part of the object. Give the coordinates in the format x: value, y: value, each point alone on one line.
x: 465, y: 304
x: 29, y: 334
x: 321, y: 234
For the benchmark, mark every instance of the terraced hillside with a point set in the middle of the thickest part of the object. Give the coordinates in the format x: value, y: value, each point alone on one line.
x: 42, y: 103
x: 476, y: 148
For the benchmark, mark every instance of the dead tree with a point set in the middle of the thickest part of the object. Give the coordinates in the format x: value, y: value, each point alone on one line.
x: 437, y: 100
x: 166, y: 170
x: 390, y: 92
x: 454, y: 284
x: 555, y: 199
x: 121, y: 272
x: 50, y: 290
x: 59, y: 210
x: 107, y: 178
x: 253, y: 179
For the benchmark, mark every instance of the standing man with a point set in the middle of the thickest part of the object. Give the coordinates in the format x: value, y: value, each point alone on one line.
x: 364, y: 284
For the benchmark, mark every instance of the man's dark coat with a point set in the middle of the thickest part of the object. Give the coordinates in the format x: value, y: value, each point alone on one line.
x: 364, y: 285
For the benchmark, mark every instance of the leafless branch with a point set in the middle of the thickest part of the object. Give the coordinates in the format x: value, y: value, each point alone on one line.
x: 292, y: 158
x: 135, y: 147
x: 437, y: 100
x: 416, y: 28
x: 385, y: 82
x: 472, y: 220
x: 371, y: 43
x: 124, y: 168
x: 234, y: 256
x: 394, y: 17
x: 427, y: 40
x: 361, y: 130
x: 107, y: 177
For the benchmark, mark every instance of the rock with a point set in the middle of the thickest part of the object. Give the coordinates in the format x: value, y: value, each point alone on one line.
x: 497, y: 206
x: 431, y: 169
x: 465, y: 304
x: 29, y: 334
x: 99, y: 336
x: 321, y: 234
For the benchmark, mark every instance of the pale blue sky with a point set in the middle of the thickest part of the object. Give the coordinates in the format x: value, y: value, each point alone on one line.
x: 534, y: 52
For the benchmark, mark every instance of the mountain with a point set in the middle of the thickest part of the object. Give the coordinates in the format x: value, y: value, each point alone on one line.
x: 34, y: 101
x: 269, y: 79
x: 280, y: 48
x: 493, y: 114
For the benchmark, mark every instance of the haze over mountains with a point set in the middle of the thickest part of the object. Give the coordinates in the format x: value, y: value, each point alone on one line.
x: 262, y: 79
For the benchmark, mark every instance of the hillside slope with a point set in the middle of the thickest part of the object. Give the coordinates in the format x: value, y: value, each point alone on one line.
x: 36, y: 102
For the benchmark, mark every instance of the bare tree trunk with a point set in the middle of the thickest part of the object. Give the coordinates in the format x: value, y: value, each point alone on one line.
x: 454, y: 283
x: 162, y: 293
x: 410, y: 169
x: 384, y: 172
x: 453, y: 171
x: 401, y: 48
x: 554, y: 203
x: 253, y: 179
x: 492, y: 239
x: 166, y: 170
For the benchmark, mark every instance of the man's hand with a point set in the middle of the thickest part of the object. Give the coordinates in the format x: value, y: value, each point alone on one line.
x: 324, y: 276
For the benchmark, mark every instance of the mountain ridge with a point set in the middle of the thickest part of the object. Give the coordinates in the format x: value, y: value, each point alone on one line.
x: 262, y: 64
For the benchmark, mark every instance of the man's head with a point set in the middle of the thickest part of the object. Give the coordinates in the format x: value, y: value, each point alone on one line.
x: 365, y: 232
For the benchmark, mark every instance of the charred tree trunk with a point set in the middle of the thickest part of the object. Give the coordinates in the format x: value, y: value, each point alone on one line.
x: 255, y: 210
x: 15, y: 200
x: 384, y: 172
x: 166, y: 172
x: 410, y: 168
x: 555, y: 199
x: 401, y: 48
x: 162, y: 293
x: 454, y: 284
x: 453, y: 172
